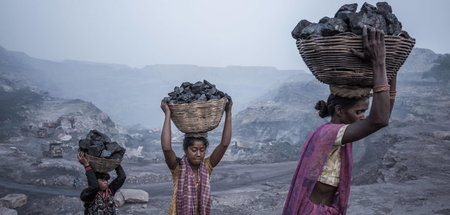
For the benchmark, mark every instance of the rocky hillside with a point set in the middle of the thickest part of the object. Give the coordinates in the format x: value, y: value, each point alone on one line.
x: 31, y: 120
x: 26, y: 110
x: 284, y: 116
x: 132, y: 95
x: 419, y: 61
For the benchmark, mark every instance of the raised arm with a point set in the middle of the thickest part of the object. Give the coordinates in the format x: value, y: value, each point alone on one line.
x: 88, y: 194
x: 166, y: 139
x: 220, y: 150
x: 117, y: 183
x: 374, y: 52
x: 392, y: 92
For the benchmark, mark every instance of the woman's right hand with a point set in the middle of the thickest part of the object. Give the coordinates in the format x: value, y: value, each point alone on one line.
x: 375, y: 53
x: 373, y: 45
x: 165, y: 108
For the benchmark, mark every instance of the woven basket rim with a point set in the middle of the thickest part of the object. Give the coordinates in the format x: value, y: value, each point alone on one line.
x: 351, y: 34
x: 330, y: 61
x: 198, y: 102
x: 198, y: 116
x: 101, y: 159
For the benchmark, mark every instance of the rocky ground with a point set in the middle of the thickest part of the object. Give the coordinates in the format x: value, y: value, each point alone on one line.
x: 403, y: 169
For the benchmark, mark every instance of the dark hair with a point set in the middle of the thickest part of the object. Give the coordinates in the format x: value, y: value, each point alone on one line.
x: 188, y: 141
x: 327, y: 108
x: 101, y: 175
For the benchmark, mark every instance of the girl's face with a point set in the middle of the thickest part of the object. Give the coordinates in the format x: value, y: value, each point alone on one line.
x: 103, y: 184
x: 196, y: 152
x: 355, y: 112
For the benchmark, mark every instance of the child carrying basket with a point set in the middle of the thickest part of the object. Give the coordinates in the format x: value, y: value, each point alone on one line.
x: 195, y: 109
x: 99, y: 156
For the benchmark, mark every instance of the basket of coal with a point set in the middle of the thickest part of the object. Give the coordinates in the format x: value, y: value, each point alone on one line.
x: 326, y: 46
x: 196, y: 108
x: 103, y: 154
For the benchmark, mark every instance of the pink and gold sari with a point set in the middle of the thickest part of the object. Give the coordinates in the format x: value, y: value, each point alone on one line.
x: 312, y: 160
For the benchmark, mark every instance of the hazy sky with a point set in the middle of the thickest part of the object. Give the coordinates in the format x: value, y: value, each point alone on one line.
x: 200, y: 32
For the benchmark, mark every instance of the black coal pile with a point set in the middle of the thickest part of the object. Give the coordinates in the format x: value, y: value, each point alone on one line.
x: 188, y: 92
x: 99, y: 145
x: 347, y: 19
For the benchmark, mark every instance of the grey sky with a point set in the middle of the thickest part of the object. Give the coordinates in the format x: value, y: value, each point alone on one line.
x: 200, y: 32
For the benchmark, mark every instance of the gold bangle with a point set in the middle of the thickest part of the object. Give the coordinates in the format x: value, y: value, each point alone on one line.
x: 381, y: 89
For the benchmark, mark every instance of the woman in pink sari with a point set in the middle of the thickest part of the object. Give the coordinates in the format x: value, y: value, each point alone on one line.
x: 321, y: 183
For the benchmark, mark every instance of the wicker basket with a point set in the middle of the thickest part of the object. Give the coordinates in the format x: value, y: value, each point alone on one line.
x: 332, y: 62
x: 198, y: 117
x: 101, y: 164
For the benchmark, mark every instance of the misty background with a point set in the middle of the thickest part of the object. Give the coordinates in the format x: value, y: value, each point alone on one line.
x: 149, y: 47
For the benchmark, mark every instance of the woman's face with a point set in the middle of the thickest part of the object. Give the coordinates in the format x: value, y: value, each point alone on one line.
x: 196, y: 152
x: 355, y: 113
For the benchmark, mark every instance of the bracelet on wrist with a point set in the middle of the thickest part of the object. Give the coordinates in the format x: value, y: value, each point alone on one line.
x: 392, y: 94
x: 381, y: 88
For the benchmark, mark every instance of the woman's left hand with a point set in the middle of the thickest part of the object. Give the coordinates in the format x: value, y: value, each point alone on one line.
x: 229, y: 104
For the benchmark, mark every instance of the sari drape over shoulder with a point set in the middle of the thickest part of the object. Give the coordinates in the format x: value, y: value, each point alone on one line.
x: 314, y: 154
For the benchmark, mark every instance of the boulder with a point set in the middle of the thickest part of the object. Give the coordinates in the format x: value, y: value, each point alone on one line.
x: 333, y: 26
x: 312, y: 30
x: 443, y: 135
x: 119, y: 199
x: 13, y: 200
x: 133, y: 195
x: 7, y: 211
x: 345, y: 10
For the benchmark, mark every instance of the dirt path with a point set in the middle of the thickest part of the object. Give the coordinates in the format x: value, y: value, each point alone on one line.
x: 39, y: 189
x: 225, y: 177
